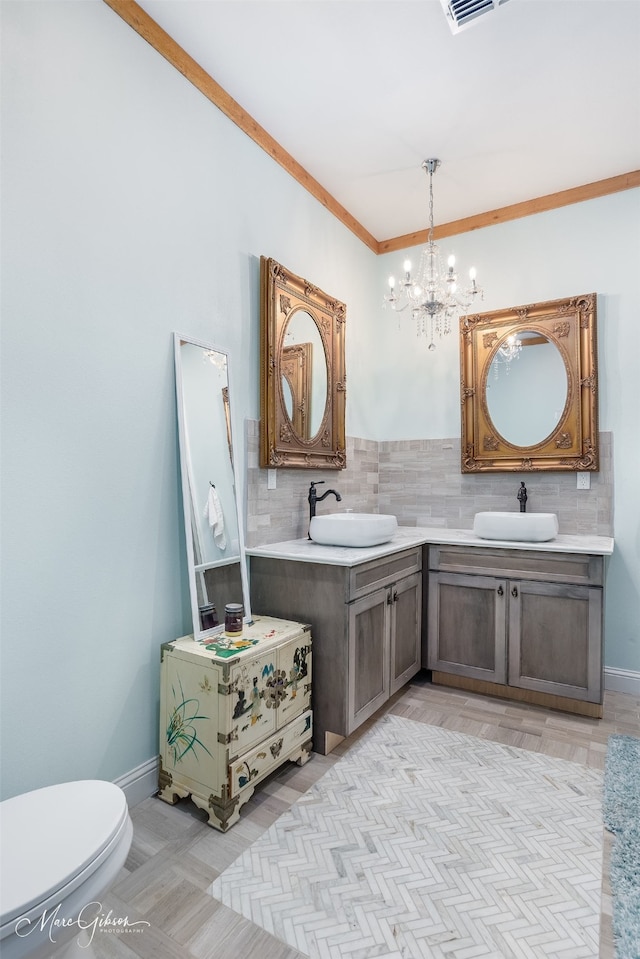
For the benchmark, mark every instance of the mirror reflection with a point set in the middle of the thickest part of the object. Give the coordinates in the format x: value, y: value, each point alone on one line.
x: 212, y: 520
x: 526, y: 388
x: 304, y: 374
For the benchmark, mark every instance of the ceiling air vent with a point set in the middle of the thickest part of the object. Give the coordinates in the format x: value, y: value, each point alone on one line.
x: 462, y: 13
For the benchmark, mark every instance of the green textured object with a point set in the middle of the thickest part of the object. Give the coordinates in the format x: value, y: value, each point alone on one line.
x: 621, y: 813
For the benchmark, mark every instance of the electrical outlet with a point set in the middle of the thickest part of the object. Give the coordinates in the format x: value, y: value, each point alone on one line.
x: 271, y: 479
x: 583, y: 481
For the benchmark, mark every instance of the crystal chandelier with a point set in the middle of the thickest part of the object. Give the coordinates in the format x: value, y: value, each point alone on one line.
x: 219, y: 360
x: 432, y: 294
x: 510, y: 350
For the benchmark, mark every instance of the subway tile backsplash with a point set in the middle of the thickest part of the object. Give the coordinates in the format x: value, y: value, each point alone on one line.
x: 420, y: 482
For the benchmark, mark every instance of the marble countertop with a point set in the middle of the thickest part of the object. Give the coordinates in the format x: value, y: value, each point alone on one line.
x: 306, y: 551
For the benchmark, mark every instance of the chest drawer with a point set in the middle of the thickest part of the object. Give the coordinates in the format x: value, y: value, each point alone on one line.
x: 258, y: 762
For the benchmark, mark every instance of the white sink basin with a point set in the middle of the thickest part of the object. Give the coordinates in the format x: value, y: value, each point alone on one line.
x: 353, y: 529
x: 525, y: 527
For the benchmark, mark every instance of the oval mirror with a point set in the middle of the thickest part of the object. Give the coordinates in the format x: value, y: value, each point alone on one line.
x: 304, y: 374
x: 526, y: 388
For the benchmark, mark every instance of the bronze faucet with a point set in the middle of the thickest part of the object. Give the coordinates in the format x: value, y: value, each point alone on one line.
x: 522, y: 498
x: 313, y: 498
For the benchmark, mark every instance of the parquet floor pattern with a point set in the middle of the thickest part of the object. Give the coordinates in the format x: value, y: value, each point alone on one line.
x: 175, y: 856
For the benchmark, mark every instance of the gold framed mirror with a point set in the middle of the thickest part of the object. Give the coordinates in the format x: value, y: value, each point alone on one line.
x: 529, y: 387
x: 302, y: 373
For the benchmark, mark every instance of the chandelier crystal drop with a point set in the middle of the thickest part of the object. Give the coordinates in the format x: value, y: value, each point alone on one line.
x: 505, y: 354
x: 432, y: 293
x: 219, y: 360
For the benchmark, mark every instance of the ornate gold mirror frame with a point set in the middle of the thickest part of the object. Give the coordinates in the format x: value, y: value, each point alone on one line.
x: 301, y: 438
x: 570, y: 326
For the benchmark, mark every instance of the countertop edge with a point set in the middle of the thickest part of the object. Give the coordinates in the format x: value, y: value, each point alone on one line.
x: 306, y: 551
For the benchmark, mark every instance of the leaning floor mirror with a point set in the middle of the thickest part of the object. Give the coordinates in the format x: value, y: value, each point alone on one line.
x: 212, y: 517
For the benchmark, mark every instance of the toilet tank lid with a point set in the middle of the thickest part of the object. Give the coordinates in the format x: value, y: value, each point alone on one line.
x: 51, y: 835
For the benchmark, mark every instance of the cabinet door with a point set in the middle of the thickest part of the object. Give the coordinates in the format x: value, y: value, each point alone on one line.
x: 555, y: 639
x: 255, y: 691
x: 406, y: 616
x: 467, y: 626
x: 294, y: 663
x: 369, y: 620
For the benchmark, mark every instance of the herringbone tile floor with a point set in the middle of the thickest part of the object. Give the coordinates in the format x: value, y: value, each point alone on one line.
x: 427, y: 843
x: 175, y: 856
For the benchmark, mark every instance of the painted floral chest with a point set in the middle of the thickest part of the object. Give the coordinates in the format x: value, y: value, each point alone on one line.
x: 229, y: 717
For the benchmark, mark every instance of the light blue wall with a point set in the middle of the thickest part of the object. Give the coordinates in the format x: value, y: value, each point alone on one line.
x: 585, y: 248
x: 132, y: 208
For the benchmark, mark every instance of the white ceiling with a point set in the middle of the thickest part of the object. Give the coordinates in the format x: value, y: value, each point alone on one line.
x: 535, y: 97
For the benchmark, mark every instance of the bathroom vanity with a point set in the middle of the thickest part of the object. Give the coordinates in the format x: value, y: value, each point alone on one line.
x: 366, y: 616
x: 230, y: 716
x: 517, y: 620
x: 522, y: 623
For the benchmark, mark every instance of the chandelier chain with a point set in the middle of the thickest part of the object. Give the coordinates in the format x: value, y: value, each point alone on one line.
x: 430, y: 237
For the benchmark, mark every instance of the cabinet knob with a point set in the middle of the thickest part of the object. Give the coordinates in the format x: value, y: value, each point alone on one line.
x: 500, y: 591
x: 514, y: 592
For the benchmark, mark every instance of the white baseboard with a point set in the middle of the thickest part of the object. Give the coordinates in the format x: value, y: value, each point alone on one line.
x: 140, y: 783
x: 622, y: 680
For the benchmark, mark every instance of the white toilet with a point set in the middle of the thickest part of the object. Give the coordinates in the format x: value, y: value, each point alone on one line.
x: 61, y: 846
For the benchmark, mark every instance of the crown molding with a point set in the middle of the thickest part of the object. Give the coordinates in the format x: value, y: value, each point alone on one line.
x: 166, y: 46
x: 541, y: 204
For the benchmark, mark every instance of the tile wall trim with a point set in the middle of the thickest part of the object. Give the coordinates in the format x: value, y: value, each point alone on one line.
x: 420, y: 482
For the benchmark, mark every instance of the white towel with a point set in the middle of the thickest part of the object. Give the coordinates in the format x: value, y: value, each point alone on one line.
x: 213, y: 514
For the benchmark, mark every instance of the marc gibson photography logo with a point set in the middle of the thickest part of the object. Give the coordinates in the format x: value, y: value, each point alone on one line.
x: 89, y: 920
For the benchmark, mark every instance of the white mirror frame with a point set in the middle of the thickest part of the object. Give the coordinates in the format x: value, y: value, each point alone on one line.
x: 179, y: 339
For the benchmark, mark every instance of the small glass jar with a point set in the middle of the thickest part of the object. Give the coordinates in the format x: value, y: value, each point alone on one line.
x: 208, y: 616
x: 233, y: 616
